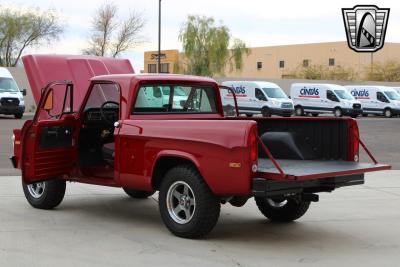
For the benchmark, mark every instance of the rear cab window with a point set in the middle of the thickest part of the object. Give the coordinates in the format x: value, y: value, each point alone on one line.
x: 175, y: 99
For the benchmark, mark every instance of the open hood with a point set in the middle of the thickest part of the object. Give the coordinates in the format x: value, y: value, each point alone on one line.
x: 42, y: 69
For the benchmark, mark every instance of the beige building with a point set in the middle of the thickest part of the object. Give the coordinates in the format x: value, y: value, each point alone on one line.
x: 275, y: 62
x: 169, y: 61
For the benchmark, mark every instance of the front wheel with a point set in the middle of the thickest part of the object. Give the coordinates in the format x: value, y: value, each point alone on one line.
x: 265, y: 112
x: 188, y: 207
x: 299, y: 111
x: 282, y: 209
x: 338, y: 112
x: 137, y: 193
x: 314, y: 114
x: 45, y: 195
x: 18, y: 115
x: 388, y: 113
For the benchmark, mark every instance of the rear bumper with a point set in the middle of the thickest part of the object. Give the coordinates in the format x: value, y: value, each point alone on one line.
x: 281, y: 111
x: 267, y: 188
x: 9, y: 110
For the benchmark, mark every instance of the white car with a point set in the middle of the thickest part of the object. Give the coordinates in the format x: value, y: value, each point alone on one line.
x: 324, y: 98
x: 257, y: 97
x: 11, y: 98
x: 377, y: 100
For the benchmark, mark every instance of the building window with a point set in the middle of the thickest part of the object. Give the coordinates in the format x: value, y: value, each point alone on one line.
x: 152, y: 68
x: 331, y: 62
x: 305, y: 63
x: 259, y: 65
x: 164, y: 68
x: 281, y: 64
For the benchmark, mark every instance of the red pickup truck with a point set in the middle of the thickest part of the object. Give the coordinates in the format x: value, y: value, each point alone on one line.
x: 99, y: 123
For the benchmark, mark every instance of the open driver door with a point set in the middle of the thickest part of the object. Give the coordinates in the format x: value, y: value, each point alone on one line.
x: 48, y: 142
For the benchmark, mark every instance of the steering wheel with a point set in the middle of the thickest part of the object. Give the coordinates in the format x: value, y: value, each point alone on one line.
x: 103, y: 115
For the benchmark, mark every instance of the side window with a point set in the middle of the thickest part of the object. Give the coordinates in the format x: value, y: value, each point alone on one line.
x: 331, y: 96
x: 260, y: 95
x: 185, y: 99
x: 381, y: 97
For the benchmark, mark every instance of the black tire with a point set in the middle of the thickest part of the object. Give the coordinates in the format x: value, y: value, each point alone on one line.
x: 337, y: 112
x: 18, y: 115
x: 249, y: 115
x: 52, y: 194
x: 265, y: 112
x: 299, y: 111
x: 137, y: 193
x: 206, y: 209
x: 365, y: 115
x: 293, y: 209
x: 315, y: 114
x: 354, y: 116
x: 388, y: 113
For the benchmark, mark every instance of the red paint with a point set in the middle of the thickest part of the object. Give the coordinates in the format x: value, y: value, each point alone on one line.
x: 209, y: 141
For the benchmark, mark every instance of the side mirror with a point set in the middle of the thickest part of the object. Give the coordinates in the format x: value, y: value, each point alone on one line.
x: 24, y: 92
x: 48, y: 105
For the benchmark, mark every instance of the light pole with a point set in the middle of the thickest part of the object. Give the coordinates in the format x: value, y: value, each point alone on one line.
x: 159, y: 36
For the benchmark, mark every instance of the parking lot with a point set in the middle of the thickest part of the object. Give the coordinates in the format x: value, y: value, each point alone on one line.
x: 98, y: 226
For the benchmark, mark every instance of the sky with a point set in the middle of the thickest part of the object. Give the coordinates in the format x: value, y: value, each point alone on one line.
x: 257, y: 22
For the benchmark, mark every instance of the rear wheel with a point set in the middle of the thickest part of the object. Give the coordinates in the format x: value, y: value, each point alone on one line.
x: 282, y: 209
x: 249, y: 115
x: 18, y: 115
x: 354, y: 116
x: 137, y: 193
x: 45, y: 195
x: 388, y: 113
x: 365, y: 115
x: 299, y: 111
x: 338, y: 112
x: 188, y: 207
x: 315, y: 114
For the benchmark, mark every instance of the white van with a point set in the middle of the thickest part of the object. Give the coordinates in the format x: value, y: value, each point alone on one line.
x: 377, y: 100
x: 11, y: 98
x: 324, y: 98
x: 397, y: 89
x: 259, y: 98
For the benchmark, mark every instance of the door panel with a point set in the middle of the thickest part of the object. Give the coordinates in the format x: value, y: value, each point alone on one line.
x: 49, y: 149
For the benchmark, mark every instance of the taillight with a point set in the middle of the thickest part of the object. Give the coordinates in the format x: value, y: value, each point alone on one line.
x: 354, y: 144
x: 253, y: 144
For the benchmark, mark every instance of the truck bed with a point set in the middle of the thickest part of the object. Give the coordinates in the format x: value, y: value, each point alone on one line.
x: 314, y: 169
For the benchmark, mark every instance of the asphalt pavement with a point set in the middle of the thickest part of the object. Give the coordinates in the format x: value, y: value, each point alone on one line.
x: 99, y: 226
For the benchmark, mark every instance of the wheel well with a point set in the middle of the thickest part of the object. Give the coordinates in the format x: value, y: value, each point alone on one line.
x: 163, y: 165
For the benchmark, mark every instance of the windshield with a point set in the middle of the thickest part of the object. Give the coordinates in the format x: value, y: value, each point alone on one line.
x: 275, y: 92
x: 8, y: 85
x: 343, y: 94
x: 392, y: 95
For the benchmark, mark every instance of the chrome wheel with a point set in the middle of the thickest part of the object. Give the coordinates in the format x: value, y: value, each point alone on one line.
x: 388, y: 113
x: 181, y: 202
x: 36, y: 190
x: 276, y: 204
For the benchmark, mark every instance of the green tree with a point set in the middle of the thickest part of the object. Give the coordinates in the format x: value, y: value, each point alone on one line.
x: 22, y: 29
x: 110, y: 36
x: 206, y: 47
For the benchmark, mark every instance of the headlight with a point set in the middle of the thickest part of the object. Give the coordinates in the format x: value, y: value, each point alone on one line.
x: 21, y: 98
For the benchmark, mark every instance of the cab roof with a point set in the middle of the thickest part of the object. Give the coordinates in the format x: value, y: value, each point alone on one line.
x: 155, y: 77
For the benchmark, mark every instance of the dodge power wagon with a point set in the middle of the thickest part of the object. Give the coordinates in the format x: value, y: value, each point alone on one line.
x: 99, y: 123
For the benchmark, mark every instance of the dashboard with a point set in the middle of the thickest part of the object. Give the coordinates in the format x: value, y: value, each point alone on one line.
x: 93, y: 116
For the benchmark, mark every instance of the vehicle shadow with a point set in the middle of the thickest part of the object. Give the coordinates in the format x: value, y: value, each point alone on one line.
x: 233, y: 226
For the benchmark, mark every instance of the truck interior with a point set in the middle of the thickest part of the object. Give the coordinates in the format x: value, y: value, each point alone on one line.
x: 96, y: 137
